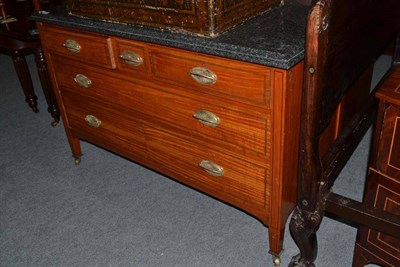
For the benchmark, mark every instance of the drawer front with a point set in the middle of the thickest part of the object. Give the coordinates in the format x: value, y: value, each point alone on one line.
x: 242, y: 81
x: 131, y: 57
x: 89, y: 48
x: 104, y: 122
x: 389, y: 145
x: 208, y: 122
x: 230, y: 179
x: 384, y: 195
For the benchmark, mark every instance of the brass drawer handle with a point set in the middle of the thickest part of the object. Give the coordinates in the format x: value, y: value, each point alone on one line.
x: 72, y: 45
x: 203, y: 75
x: 206, y: 117
x: 211, y: 168
x: 83, y: 81
x: 131, y: 58
x: 93, y: 121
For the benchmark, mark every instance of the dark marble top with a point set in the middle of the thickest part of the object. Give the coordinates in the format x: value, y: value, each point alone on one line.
x: 275, y: 38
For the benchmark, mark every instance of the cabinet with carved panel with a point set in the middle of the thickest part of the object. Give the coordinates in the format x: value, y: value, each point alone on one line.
x: 383, y: 184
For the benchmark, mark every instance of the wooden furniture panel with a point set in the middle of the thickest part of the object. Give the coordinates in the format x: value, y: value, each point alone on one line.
x: 94, y: 49
x: 383, y: 196
x: 238, y: 182
x: 372, y: 246
x: 241, y: 130
x: 242, y: 81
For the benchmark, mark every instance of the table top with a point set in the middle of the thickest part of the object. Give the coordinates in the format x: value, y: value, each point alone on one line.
x: 276, y: 38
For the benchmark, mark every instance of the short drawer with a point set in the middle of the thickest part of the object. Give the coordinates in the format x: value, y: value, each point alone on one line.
x: 131, y: 56
x: 242, y: 81
x: 230, y: 179
x: 101, y: 121
x: 208, y: 122
x: 89, y: 48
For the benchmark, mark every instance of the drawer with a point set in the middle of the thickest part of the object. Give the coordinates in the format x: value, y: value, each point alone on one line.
x: 89, y: 48
x: 104, y: 123
x: 207, y: 122
x: 238, y: 182
x: 242, y: 81
x: 231, y: 128
x: 131, y: 56
x: 384, y: 194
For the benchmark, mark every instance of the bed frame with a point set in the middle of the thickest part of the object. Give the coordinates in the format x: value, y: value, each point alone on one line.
x: 343, y: 40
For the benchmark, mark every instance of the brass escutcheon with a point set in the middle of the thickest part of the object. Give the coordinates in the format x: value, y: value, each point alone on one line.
x: 131, y: 58
x: 72, y: 45
x: 211, y: 168
x: 207, y: 118
x: 83, y: 81
x: 203, y: 75
x: 93, y: 121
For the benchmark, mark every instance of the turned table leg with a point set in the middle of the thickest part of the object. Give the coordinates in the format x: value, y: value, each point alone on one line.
x: 24, y: 76
x: 46, y: 86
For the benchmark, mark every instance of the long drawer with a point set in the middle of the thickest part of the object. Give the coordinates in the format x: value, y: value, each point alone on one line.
x: 244, y: 82
x: 236, y: 181
x: 212, y: 123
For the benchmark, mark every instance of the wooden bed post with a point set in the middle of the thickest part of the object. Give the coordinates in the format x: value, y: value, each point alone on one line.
x: 309, y: 212
x: 343, y: 39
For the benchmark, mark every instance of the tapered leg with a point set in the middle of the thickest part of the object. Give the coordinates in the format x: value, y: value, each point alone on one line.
x: 75, y: 145
x: 303, y: 227
x: 276, y: 243
x: 46, y: 86
x: 24, y: 77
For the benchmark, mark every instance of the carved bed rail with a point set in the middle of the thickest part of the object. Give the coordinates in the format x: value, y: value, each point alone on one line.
x: 343, y: 39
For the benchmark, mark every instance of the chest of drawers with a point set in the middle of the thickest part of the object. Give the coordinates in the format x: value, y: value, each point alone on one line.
x: 383, y: 184
x: 225, y: 127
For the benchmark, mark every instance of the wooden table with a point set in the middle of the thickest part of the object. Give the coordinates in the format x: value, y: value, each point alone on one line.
x: 18, y: 35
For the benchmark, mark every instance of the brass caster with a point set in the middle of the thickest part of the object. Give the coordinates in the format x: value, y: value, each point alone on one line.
x: 277, y: 260
x: 54, y: 123
x: 77, y: 160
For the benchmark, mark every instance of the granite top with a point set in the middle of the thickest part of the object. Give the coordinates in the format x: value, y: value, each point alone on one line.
x: 275, y: 39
